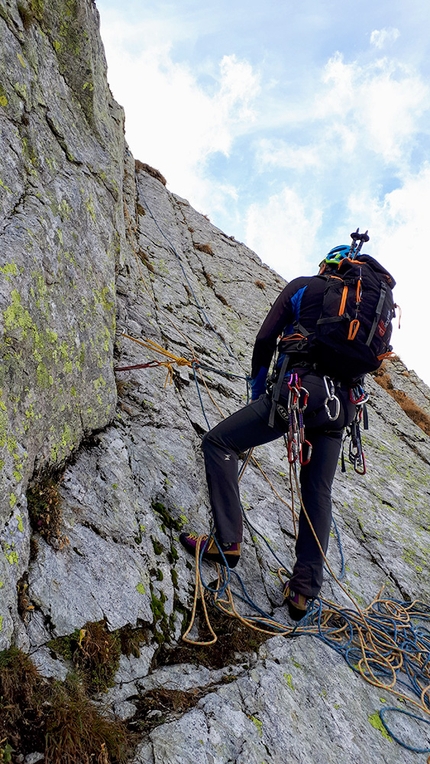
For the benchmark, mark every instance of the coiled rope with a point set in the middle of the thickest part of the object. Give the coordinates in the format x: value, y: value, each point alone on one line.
x: 385, y: 643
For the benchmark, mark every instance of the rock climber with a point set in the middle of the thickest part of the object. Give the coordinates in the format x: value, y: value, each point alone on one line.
x: 329, y: 410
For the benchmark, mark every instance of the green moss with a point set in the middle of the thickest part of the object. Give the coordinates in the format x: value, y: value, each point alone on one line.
x: 61, y: 450
x: 258, y: 723
x: 11, y: 554
x: 3, y: 96
x: 37, y: 7
x: 289, y: 680
x: 89, y: 206
x: 140, y: 588
x: 170, y: 522
x: 44, y: 378
x: 158, y: 548
x: 21, y: 60
x: 173, y: 555
x: 15, y: 316
x: 94, y: 651
x: 8, y: 270
x: 161, y: 621
x: 375, y: 721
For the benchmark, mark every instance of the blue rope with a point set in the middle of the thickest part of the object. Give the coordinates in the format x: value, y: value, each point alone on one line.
x: 392, y: 709
x: 200, y: 395
x: 341, y: 574
x: 254, y: 530
x: 415, y: 641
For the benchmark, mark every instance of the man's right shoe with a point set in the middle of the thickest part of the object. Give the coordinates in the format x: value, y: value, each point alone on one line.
x: 211, y: 552
x: 297, y: 603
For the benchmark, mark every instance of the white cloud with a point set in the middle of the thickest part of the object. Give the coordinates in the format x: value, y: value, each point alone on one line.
x: 398, y: 226
x: 381, y: 37
x: 377, y: 105
x: 282, y: 231
x: 172, y: 122
x: 370, y: 111
x: 277, y: 153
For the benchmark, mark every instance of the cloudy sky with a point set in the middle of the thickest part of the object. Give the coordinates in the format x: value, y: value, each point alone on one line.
x: 289, y: 124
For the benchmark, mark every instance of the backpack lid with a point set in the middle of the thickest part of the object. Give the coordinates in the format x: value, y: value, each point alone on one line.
x: 374, y: 264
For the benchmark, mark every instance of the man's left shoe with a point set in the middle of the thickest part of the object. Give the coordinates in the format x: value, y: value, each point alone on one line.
x: 297, y: 603
x: 211, y: 552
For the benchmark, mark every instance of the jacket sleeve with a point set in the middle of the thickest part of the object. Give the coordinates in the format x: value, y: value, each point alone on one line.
x: 280, y: 315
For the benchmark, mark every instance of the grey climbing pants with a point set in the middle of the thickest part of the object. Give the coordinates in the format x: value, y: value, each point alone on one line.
x: 249, y: 427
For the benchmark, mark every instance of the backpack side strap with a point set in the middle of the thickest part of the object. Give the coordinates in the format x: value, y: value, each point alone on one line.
x: 380, y: 305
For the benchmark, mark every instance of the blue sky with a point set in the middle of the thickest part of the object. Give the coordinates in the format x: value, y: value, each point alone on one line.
x: 290, y: 125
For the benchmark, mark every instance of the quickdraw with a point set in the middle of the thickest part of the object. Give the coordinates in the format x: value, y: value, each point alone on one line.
x: 359, y: 397
x: 356, y: 454
x: 298, y: 448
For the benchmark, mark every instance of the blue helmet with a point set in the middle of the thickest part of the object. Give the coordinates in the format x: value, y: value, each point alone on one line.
x: 337, y: 254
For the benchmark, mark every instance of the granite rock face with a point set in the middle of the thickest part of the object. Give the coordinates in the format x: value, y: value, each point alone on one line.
x: 89, y: 245
x: 61, y: 226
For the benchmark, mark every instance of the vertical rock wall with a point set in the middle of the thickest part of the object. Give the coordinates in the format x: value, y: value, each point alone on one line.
x: 61, y: 228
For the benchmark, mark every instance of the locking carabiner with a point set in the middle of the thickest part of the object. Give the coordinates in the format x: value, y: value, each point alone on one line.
x: 331, y: 396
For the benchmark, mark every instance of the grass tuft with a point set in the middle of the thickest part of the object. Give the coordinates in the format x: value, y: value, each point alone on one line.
x: 60, y: 720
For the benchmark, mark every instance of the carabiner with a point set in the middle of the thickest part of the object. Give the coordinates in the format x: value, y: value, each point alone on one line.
x: 293, y: 450
x: 331, y: 396
x: 305, y: 397
x: 358, y: 395
x: 360, y: 461
x: 308, y: 445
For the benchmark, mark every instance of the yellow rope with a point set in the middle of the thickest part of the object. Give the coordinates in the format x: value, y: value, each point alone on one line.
x: 368, y: 638
x: 155, y: 347
x: 199, y: 592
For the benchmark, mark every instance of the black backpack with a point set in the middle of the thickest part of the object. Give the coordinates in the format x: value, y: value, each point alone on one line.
x: 353, y: 332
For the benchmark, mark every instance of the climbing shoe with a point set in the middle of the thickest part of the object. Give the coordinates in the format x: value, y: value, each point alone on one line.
x: 211, y: 552
x: 297, y: 603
